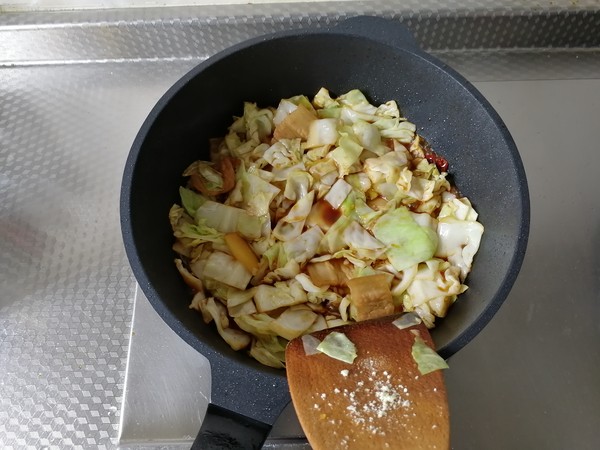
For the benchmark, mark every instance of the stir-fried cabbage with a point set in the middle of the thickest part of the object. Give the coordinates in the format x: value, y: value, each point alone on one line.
x: 317, y: 213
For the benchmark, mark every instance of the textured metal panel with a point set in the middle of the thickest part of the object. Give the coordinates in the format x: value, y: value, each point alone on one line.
x: 74, y: 90
x: 66, y: 287
x: 167, y: 392
x: 524, y: 64
x: 197, y: 33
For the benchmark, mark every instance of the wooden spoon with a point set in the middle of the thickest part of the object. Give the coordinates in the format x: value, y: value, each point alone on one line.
x: 379, y: 401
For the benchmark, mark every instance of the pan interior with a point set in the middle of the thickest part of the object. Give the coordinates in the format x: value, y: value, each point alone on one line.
x: 456, y: 121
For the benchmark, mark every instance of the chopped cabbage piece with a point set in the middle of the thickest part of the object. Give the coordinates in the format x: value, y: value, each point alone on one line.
x: 236, y: 339
x: 408, y: 242
x: 361, y: 242
x: 304, y: 247
x: 337, y: 345
x: 346, y: 154
x: 356, y: 100
x: 297, y: 185
x: 426, y: 358
x: 258, y: 122
x: 459, y: 233
x: 302, y: 100
x: 191, y: 200
x: 323, y: 99
x: 388, y: 109
x: 256, y: 324
x: 285, y: 107
x: 458, y: 242
x: 228, y: 219
x: 459, y: 208
x: 334, y: 241
x: 284, y: 153
x: 308, y: 285
x: 359, y: 181
x: 290, y: 226
x: 269, y: 351
x: 236, y: 275
x: 386, y: 168
x: 240, y: 303
x: 407, y: 320
x: 402, y: 130
x: 294, y: 321
x: 369, y: 137
x: 189, y: 278
x: 338, y: 193
x: 257, y: 194
x: 322, y: 132
x: 434, y: 286
x: 318, y: 325
x: 198, y: 233
x: 268, y: 298
x: 310, y: 343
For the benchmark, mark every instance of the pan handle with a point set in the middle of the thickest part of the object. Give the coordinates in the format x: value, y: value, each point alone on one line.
x: 223, y: 429
x: 386, y: 31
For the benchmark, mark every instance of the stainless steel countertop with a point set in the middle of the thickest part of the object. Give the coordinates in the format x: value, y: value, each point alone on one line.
x: 74, y: 90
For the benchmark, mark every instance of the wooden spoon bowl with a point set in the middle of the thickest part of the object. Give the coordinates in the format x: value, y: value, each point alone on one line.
x: 379, y: 401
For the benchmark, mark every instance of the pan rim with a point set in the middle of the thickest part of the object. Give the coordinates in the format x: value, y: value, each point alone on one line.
x: 278, y: 376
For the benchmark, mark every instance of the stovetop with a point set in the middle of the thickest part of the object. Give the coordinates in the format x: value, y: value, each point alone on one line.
x: 84, y: 360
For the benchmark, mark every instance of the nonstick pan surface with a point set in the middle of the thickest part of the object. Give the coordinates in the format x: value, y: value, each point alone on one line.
x: 379, y: 57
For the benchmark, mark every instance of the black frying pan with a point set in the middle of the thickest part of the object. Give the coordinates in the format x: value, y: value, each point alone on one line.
x: 381, y: 58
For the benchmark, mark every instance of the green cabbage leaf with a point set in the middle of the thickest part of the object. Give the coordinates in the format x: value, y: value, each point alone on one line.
x: 426, y: 358
x: 407, y: 242
x: 337, y: 345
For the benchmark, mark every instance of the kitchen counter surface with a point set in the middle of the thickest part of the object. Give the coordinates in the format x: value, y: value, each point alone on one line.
x: 75, y: 88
